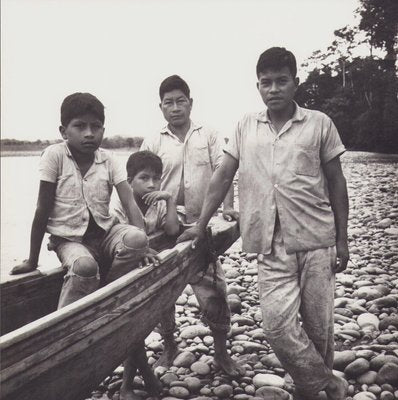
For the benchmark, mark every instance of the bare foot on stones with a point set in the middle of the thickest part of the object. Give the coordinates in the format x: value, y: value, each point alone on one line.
x: 128, y: 394
x: 228, y: 365
x: 167, y: 357
x: 336, y: 388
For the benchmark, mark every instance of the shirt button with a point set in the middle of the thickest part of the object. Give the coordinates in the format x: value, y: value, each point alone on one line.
x: 272, y: 207
x: 276, y: 186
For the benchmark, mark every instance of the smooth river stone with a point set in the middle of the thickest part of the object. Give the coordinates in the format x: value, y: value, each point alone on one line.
x: 260, y: 380
x: 388, y: 373
x: 179, y: 392
x: 368, y: 321
x: 367, y: 378
x: 368, y: 293
x: 271, y: 360
x: 384, y: 223
x: 357, y: 367
x: 192, y: 331
x: 200, y: 368
x: 184, y: 359
x: 249, y: 346
x: 272, y: 393
x: 343, y: 358
x: 364, y: 396
x: 193, y: 383
x: 386, y: 338
x: 386, y: 301
x: 387, y: 321
x: 223, y: 391
x: 377, y: 362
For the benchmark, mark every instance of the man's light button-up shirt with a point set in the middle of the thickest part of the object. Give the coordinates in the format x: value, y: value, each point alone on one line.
x: 293, y: 158
x: 195, y: 160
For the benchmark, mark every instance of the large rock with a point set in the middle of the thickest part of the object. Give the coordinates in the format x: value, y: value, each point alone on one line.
x: 368, y: 322
x: 384, y: 223
x: 192, y: 331
x: 357, y: 368
x: 193, y: 383
x: 377, y: 362
x: 367, y: 378
x: 272, y: 361
x: 223, y: 391
x: 365, y: 396
x: 386, y: 301
x: 388, y: 373
x: 387, y: 321
x: 179, y: 392
x: 343, y: 358
x: 200, y: 368
x: 184, y: 359
x: 272, y: 393
x: 260, y: 380
x: 368, y: 293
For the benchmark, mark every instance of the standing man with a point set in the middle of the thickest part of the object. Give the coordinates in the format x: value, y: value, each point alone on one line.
x: 293, y: 214
x: 190, y: 154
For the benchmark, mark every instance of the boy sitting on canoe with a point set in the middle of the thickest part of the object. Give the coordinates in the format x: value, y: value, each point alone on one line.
x: 76, y: 181
x: 144, y: 170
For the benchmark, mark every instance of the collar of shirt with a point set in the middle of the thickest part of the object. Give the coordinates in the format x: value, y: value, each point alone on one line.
x: 99, y: 156
x: 193, y: 127
x: 298, y: 115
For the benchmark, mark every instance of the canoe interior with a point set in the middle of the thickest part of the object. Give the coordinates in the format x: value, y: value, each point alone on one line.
x: 67, y: 353
x: 34, y: 295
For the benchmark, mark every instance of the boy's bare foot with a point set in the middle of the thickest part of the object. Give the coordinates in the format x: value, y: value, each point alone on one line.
x: 228, y: 365
x: 127, y: 393
x: 336, y: 388
x: 152, y: 384
x: 167, y: 357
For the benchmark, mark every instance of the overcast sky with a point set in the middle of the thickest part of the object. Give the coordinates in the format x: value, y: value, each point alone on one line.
x: 120, y: 50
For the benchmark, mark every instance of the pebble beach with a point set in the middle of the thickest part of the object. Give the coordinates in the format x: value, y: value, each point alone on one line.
x: 366, y: 311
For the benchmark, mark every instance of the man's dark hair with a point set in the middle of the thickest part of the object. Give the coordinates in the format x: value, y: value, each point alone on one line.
x: 173, y: 82
x: 276, y: 58
x: 141, y: 160
x: 79, y: 104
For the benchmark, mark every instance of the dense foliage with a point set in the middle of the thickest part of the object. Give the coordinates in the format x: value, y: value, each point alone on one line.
x: 359, y: 93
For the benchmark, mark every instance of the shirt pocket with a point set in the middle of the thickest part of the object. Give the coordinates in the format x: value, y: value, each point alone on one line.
x: 306, y: 160
x: 103, y: 190
x: 200, y: 155
x: 67, y: 188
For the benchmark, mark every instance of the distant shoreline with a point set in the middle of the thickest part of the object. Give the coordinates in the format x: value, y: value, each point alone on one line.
x: 37, y: 152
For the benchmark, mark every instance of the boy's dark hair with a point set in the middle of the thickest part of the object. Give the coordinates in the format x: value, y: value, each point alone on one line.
x: 173, y: 82
x: 276, y: 58
x: 141, y: 160
x: 78, y: 104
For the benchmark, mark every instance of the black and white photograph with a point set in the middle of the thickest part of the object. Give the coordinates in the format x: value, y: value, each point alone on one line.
x: 199, y: 200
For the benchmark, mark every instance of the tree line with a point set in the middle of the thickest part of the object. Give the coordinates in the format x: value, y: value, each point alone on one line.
x: 112, y: 142
x: 359, y: 93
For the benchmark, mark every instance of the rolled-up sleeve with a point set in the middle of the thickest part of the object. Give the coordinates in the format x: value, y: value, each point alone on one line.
x: 216, y: 149
x: 331, y: 145
x: 233, y: 145
x: 48, y: 165
x: 118, y: 173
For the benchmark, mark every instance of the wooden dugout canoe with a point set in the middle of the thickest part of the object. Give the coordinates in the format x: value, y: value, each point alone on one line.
x: 67, y: 353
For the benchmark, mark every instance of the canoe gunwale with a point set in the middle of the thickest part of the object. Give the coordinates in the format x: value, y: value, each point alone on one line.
x: 88, y: 301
